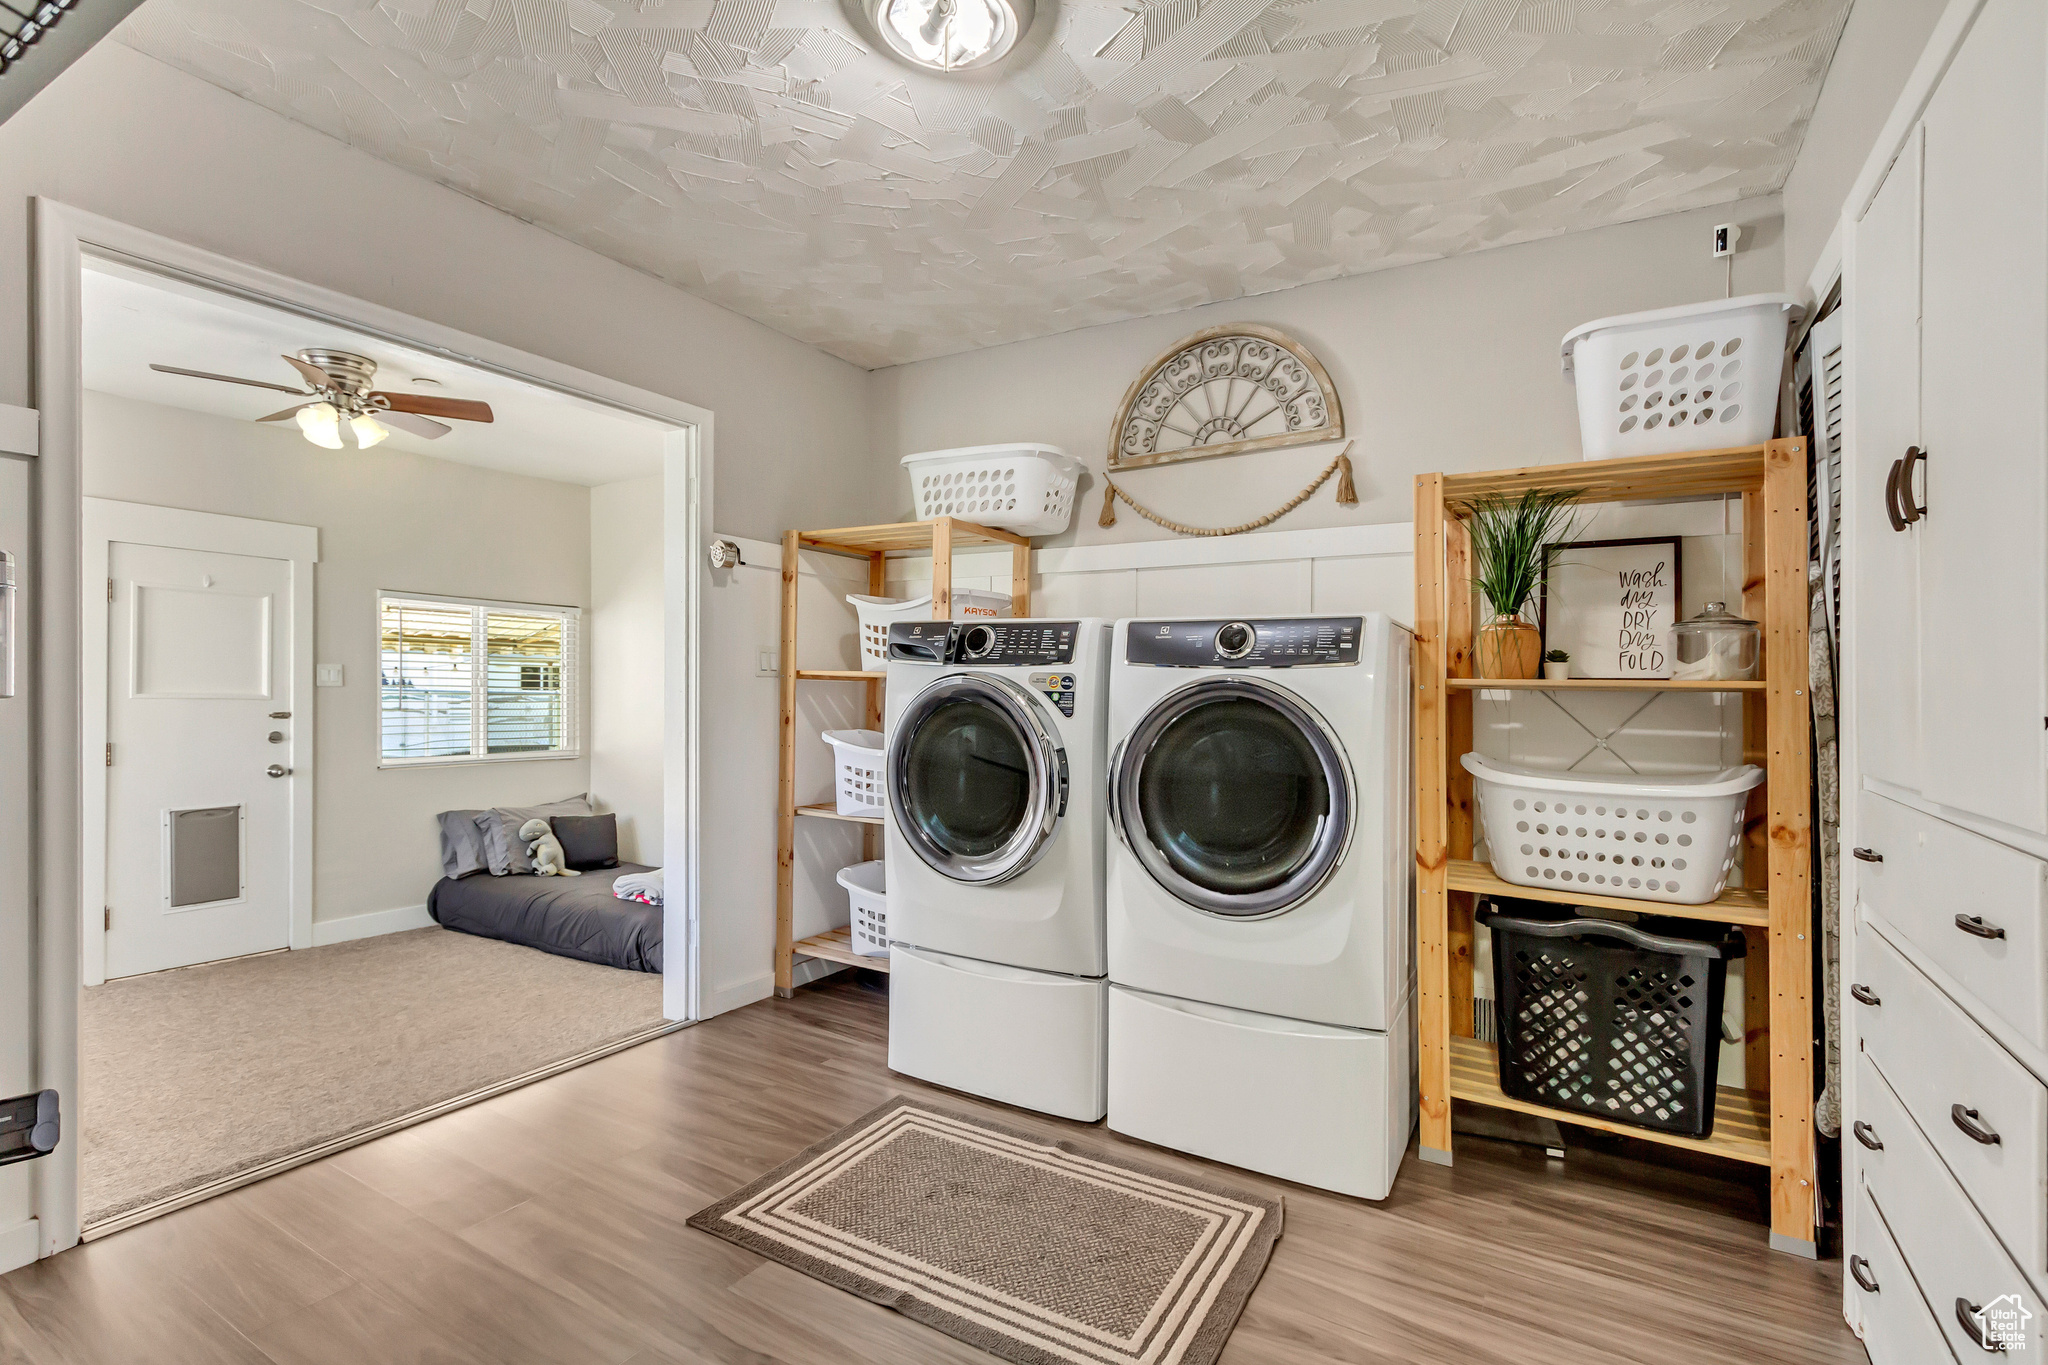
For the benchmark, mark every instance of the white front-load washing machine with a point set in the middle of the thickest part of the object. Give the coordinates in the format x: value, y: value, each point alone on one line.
x: 995, y: 843
x: 1259, y: 894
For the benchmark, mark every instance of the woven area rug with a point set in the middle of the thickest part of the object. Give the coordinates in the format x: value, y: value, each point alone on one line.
x: 1034, y: 1251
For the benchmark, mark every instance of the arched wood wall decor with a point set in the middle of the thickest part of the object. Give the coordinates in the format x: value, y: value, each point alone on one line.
x: 1225, y: 391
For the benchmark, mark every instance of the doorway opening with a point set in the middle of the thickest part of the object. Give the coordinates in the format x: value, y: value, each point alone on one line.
x: 384, y: 741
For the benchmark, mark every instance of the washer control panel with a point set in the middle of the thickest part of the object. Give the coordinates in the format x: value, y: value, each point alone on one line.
x: 1285, y: 642
x: 1004, y: 644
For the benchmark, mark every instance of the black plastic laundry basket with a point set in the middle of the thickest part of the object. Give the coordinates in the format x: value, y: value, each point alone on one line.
x: 1616, y: 1020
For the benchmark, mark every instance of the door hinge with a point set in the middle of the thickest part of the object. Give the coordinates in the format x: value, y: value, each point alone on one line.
x: 110, y: 753
x: 110, y: 589
x: 107, y: 919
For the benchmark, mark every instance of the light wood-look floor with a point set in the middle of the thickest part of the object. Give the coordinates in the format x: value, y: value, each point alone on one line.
x: 547, y: 1226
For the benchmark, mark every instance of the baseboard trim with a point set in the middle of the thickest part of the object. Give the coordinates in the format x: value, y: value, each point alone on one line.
x: 350, y: 927
x: 189, y: 1197
x: 760, y: 986
x: 20, y: 1245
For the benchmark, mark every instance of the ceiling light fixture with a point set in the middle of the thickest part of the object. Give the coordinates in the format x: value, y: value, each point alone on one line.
x: 322, y: 424
x: 950, y: 35
x: 367, y: 432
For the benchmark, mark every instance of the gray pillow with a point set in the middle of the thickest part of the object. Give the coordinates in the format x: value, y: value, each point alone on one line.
x: 462, y: 843
x: 503, y: 848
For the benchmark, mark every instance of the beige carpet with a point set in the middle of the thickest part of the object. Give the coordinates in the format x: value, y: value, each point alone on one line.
x: 1047, y: 1253
x: 192, y: 1075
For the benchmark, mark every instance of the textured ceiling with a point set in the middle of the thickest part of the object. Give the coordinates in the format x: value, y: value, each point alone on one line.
x: 1128, y: 159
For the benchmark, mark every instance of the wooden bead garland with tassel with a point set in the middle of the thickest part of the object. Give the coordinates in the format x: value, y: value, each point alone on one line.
x: 1347, y: 493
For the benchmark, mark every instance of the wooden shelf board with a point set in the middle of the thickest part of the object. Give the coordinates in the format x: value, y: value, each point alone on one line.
x: 1698, y: 474
x: 1737, y: 905
x: 903, y: 535
x: 1598, y: 685
x: 836, y: 945
x: 839, y: 675
x: 831, y: 812
x: 1742, y: 1122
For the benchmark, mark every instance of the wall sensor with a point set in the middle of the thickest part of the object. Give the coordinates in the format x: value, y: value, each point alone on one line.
x: 1726, y: 235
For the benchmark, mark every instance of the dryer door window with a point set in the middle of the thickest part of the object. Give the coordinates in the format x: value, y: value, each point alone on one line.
x: 1235, y: 797
x: 977, y: 778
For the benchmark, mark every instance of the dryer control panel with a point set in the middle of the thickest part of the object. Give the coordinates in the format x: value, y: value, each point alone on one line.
x: 998, y: 644
x: 1285, y: 642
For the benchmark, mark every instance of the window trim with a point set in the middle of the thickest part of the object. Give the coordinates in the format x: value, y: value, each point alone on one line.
x: 572, y: 688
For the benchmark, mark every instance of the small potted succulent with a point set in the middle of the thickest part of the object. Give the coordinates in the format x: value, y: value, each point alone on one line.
x: 1508, y: 536
x: 1557, y: 666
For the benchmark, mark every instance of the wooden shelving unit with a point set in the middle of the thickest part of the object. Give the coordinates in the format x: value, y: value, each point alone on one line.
x: 941, y: 536
x: 1772, y: 1123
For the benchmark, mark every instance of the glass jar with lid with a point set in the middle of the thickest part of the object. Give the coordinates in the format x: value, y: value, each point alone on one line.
x: 1715, y: 646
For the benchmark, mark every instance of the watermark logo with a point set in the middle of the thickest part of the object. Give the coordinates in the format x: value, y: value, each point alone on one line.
x: 2002, y: 1323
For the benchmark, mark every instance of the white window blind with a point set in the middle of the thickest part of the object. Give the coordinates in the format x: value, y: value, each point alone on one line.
x: 464, y: 680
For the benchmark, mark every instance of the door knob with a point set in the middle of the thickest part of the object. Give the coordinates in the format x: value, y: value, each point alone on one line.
x: 277, y: 770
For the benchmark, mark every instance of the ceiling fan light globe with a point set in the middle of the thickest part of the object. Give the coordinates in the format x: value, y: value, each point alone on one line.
x: 321, y: 424
x: 368, y: 431
x: 948, y: 35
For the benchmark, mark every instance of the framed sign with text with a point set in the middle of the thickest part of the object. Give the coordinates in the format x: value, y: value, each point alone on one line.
x: 1611, y: 604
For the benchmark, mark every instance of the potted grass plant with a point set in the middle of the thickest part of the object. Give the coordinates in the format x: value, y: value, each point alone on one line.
x: 1508, y: 535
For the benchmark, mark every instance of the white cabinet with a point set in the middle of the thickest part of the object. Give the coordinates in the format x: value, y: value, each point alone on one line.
x: 1984, y: 351
x: 1945, y: 691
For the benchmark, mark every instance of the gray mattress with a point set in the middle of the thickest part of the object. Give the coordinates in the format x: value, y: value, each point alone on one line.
x: 575, y: 917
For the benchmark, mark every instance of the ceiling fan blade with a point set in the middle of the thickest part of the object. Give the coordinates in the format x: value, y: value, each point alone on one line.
x: 227, y: 379
x: 405, y: 421
x: 459, y: 409
x: 291, y: 411
x: 312, y: 374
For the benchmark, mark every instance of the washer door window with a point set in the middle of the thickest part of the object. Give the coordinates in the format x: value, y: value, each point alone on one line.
x: 977, y: 779
x: 1234, y: 796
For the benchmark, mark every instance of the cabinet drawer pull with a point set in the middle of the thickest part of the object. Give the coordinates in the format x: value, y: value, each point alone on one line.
x: 1973, y: 924
x: 1973, y: 1126
x: 1864, y: 994
x: 1966, y: 1314
x: 1859, y: 1270
x: 1866, y: 855
x: 1891, y: 497
x: 1867, y: 1135
x: 1908, y: 509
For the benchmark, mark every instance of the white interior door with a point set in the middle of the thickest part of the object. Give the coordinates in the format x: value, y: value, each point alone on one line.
x: 199, y: 775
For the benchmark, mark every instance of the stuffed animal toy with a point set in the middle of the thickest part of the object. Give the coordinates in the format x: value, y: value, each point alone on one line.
x: 546, y: 850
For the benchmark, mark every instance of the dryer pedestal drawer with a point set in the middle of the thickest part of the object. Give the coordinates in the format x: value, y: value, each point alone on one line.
x: 1032, y: 1039
x: 1977, y: 908
x: 1985, y: 1113
x: 1953, y: 1256
x: 1898, y: 1326
x: 1326, y: 1106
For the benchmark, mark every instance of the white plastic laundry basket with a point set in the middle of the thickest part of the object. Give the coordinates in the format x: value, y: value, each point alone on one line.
x: 877, y: 612
x: 1668, y: 839
x: 1700, y: 377
x: 1025, y: 488
x: 857, y: 779
x: 868, y: 902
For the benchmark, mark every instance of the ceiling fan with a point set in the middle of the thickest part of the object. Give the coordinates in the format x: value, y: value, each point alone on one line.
x: 342, y: 409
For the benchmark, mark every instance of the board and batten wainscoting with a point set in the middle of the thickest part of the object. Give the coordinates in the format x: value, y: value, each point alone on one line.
x: 1371, y: 568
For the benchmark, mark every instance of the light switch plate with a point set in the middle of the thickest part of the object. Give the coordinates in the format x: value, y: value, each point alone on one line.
x: 770, y: 665
x: 330, y: 675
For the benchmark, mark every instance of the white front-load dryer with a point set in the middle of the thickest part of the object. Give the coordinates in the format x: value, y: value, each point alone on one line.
x: 995, y: 843
x: 1259, y: 894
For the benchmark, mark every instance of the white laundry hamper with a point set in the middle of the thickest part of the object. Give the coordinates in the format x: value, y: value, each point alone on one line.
x: 1022, y: 487
x: 867, y: 900
x: 858, y: 780
x: 1700, y: 377
x: 1671, y: 839
x: 877, y: 612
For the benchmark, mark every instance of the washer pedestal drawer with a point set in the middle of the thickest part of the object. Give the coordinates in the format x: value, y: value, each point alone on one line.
x: 1032, y: 1039
x: 1325, y: 1106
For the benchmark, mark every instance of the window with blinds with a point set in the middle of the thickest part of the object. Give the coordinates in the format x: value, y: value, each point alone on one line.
x: 464, y: 680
